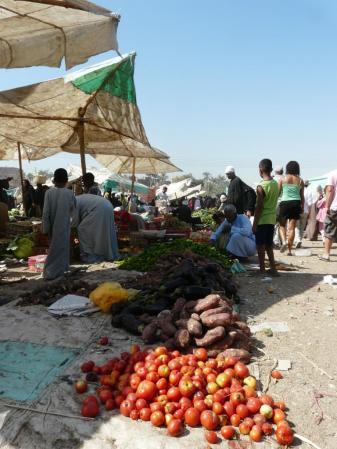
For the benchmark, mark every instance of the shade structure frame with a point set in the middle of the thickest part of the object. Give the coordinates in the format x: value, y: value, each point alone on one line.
x: 44, y: 32
x: 101, y: 99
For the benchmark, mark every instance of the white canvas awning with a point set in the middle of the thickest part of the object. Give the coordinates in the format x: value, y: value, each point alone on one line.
x: 43, y: 32
x: 95, y: 110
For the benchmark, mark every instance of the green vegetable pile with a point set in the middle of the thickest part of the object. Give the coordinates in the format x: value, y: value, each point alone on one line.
x: 22, y: 246
x: 148, y: 258
x: 206, y: 217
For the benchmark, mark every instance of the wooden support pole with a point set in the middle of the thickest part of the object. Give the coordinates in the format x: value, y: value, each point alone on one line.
x: 21, y: 178
x: 80, y: 131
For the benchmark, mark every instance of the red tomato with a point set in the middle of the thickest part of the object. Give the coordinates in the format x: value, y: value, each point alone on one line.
x: 267, y: 400
x: 201, y: 354
x: 156, y: 406
x: 138, y: 365
x: 209, y: 420
x: 212, y: 363
x: 192, y: 417
x: 249, y: 421
x: 211, y: 437
x: 241, y: 370
x: 104, y: 395
x: 227, y: 432
x: 146, y: 390
x: 276, y: 375
x: 185, y: 403
x: 164, y: 371
x: 229, y: 408
x: 110, y: 404
x: 90, y: 409
x: 186, y: 387
x: 175, y: 354
x: 174, y: 365
x: 231, y: 361
x: 134, y: 414
x: 253, y: 405
x: 235, y: 420
x: 140, y: 404
x: 173, y: 394
x: 267, y: 428
x: 217, y: 408
x: 198, y: 395
x: 126, y: 407
x: 132, y: 397
x: 134, y: 381
x: 281, y: 405
x: 256, y: 433
x: 142, y: 372
x: 175, y: 377
x: 242, y: 411
x: 259, y: 419
x: 152, y: 377
x: 211, y: 378
x: 174, y: 427
x: 200, y: 405
x: 179, y: 414
x: 160, y: 350
x: 249, y: 392
x: 163, y: 399
x: 170, y: 407
x: 86, y: 367
x: 284, y: 435
x: 157, y: 418
x: 244, y: 428
x: 81, y: 386
x: 279, y: 416
x: 145, y: 414
x: 163, y: 359
x: 236, y: 398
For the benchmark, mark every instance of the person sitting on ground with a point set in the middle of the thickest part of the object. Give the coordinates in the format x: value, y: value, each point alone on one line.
x: 94, y: 219
x: 59, y: 206
x: 89, y: 184
x: 330, y: 224
x: 265, y: 216
x: 292, y: 204
x: 239, y: 240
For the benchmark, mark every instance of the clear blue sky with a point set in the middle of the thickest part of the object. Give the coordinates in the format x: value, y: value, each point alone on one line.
x: 229, y: 81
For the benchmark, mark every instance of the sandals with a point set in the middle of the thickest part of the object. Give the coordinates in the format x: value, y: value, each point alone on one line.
x: 283, y: 248
x: 325, y: 259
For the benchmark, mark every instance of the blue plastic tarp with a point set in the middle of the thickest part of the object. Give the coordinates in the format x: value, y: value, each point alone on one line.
x: 27, y: 368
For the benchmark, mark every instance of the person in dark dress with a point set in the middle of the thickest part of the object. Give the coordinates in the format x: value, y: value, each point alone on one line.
x: 240, y: 194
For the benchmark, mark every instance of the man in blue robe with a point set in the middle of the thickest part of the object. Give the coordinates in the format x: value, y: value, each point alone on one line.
x: 235, y: 234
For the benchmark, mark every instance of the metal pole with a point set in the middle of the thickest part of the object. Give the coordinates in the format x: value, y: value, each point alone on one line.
x: 80, y: 131
x: 21, y: 177
x: 133, y: 175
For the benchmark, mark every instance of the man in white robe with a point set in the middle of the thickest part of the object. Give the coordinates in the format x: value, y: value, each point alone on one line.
x: 59, y: 205
x: 96, y: 229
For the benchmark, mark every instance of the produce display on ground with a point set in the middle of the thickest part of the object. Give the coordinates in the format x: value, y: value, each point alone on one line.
x: 186, y: 301
x: 206, y: 217
x: 148, y: 258
x: 174, y: 391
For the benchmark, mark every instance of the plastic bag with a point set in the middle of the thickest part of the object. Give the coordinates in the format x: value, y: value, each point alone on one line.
x: 107, y: 294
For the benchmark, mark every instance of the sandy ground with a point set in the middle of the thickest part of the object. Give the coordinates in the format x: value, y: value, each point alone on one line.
x: 296, y: 298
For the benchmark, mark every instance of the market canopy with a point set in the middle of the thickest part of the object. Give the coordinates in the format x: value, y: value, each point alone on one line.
x: 93, y: 109
x: 43, y: 32
x: 119, y: 183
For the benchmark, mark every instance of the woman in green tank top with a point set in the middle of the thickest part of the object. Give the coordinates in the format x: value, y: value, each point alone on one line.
x: 291, y: 189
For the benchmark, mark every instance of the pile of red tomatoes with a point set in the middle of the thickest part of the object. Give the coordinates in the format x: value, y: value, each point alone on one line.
x: 170, y: 389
